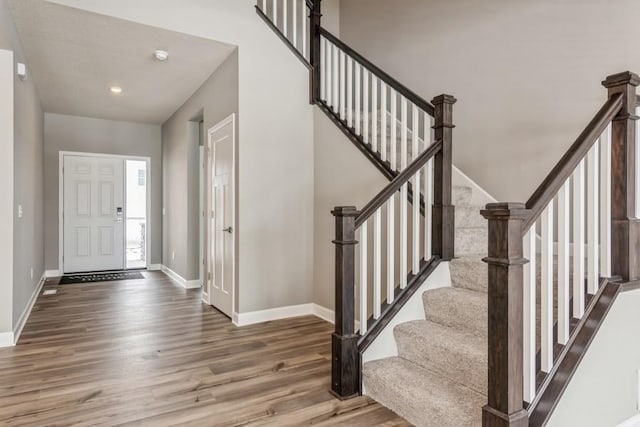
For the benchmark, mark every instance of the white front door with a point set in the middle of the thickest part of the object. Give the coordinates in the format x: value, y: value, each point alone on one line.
x: 93, y: 214
x: 221, y: 223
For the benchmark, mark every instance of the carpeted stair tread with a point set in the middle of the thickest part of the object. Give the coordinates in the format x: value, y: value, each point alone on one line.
x: 454, y: 354
x: 469, y: 273
x: 424, y: 398
x: 457, y: 308
x: 469, y: 216
x: 471, y: 241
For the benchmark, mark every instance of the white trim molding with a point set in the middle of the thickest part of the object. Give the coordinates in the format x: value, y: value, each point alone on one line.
x: 52, y: 273
x: 279, y: 313
x: 155, y: 267
x: 187, y: 284
x: 6, y: 339
x: 17, y: 330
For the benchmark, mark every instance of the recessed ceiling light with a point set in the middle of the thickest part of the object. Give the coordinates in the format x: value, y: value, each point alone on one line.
x: 115, y: 89
x: 161, y: 55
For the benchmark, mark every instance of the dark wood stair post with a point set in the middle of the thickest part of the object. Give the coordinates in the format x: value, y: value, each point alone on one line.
x: 505, y: 259
x: 443, y: 237
x: 315, y: 19
x: 625, y: 232
x: 345, y: 357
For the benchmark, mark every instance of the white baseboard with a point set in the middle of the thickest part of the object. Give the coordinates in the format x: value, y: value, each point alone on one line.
x: 17, y: 330
x: 187, y: 284
x: 324, y: 313
x: 155, y: 267
x: 6, y: 339
x: 253, y: 317
x: 52, y: 273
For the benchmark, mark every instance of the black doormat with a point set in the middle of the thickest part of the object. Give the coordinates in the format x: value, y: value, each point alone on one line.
x: 100, y: 277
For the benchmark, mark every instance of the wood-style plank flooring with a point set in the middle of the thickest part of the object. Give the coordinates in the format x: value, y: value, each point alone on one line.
x: 147, y: 352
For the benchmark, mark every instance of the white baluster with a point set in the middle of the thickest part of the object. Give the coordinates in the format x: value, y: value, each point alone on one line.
x: 303, y: 9
x: 593, y: 209
x: 383, y: 118
x: 363, y: 278
x: 564, y: 226
x: 637, y: 163
x: 403, y: 133
x: 342, y: 88
x: 391, y: 249
x: 350, y: 92
x: 336, y: 78
x: 428, y: 190
x: 374, y: 113
x: 323, y: 75
x: 264, y: 6
x: 393, y: 141
x: 529, y: 315
x: 417, y: 218
x: 284, y: 18
x: 605, y: 203
x: 358, y: 126
x: 365, y: 107
x: 294, y: 22
x: 415, y: 129
x: 415, y: 132
x: 404, y: 194
x: 275, y: 12
x: 377, y: 262
x: 546, y: 289
x: 578, y: 241
x: 329, y: 74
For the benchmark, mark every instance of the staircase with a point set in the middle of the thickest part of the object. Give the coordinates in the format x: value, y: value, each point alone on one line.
x: 529, y: 291
x: 441, y: 367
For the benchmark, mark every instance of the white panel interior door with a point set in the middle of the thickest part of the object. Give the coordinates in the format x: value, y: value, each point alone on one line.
x: 221, y: 195
x: 93, y: 214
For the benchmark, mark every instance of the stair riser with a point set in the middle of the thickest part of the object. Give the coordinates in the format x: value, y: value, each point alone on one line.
x: 469, y: 274
x: 469, y: 217
x: 471, y: 241
x: 456, y: 314
x: 461, y: 367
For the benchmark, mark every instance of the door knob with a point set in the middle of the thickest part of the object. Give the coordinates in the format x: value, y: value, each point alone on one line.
x: 228, y: 230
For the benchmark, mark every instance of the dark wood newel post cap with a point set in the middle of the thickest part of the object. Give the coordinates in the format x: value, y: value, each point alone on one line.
x: 345, y: 211
x: 444, y: 99
x: 505, y: 210
x: 624, y: 78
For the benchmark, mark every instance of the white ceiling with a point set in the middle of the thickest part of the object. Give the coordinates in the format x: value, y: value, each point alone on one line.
x: 74, y: 57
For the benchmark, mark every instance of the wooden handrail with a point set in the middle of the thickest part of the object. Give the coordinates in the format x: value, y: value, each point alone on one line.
x: 399, y: 87
x: 401, y: 179
x: 571, y: 159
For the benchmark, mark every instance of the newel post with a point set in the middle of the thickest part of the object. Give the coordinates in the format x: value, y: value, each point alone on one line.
x: 505, y: 339
x: 625, y: 227
x: 443, y: 210
x: 345, y: 358
x: 315, y: 19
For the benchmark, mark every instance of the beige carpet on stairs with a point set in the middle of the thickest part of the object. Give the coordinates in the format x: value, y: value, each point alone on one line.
x: 439, y: 377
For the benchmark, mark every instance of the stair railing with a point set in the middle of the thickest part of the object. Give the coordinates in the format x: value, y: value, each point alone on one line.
x: 378, y: 110
x: 295, y: 21
x: 593, y: 188
x: 373, y: 285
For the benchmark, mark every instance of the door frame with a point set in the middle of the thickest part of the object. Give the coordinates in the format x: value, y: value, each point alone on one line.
x: 61, y: 156
x: 230, y: 119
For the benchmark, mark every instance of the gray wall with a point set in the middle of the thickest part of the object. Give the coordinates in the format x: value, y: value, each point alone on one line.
x: 26, y: 177
x: 342, y: 177
x: 607, y: 379
x: 215, y: 100
x: 527, y: 74
x: 89, y: 135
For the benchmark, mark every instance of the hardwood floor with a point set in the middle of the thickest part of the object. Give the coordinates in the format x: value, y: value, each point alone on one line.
x: 147, y: 352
